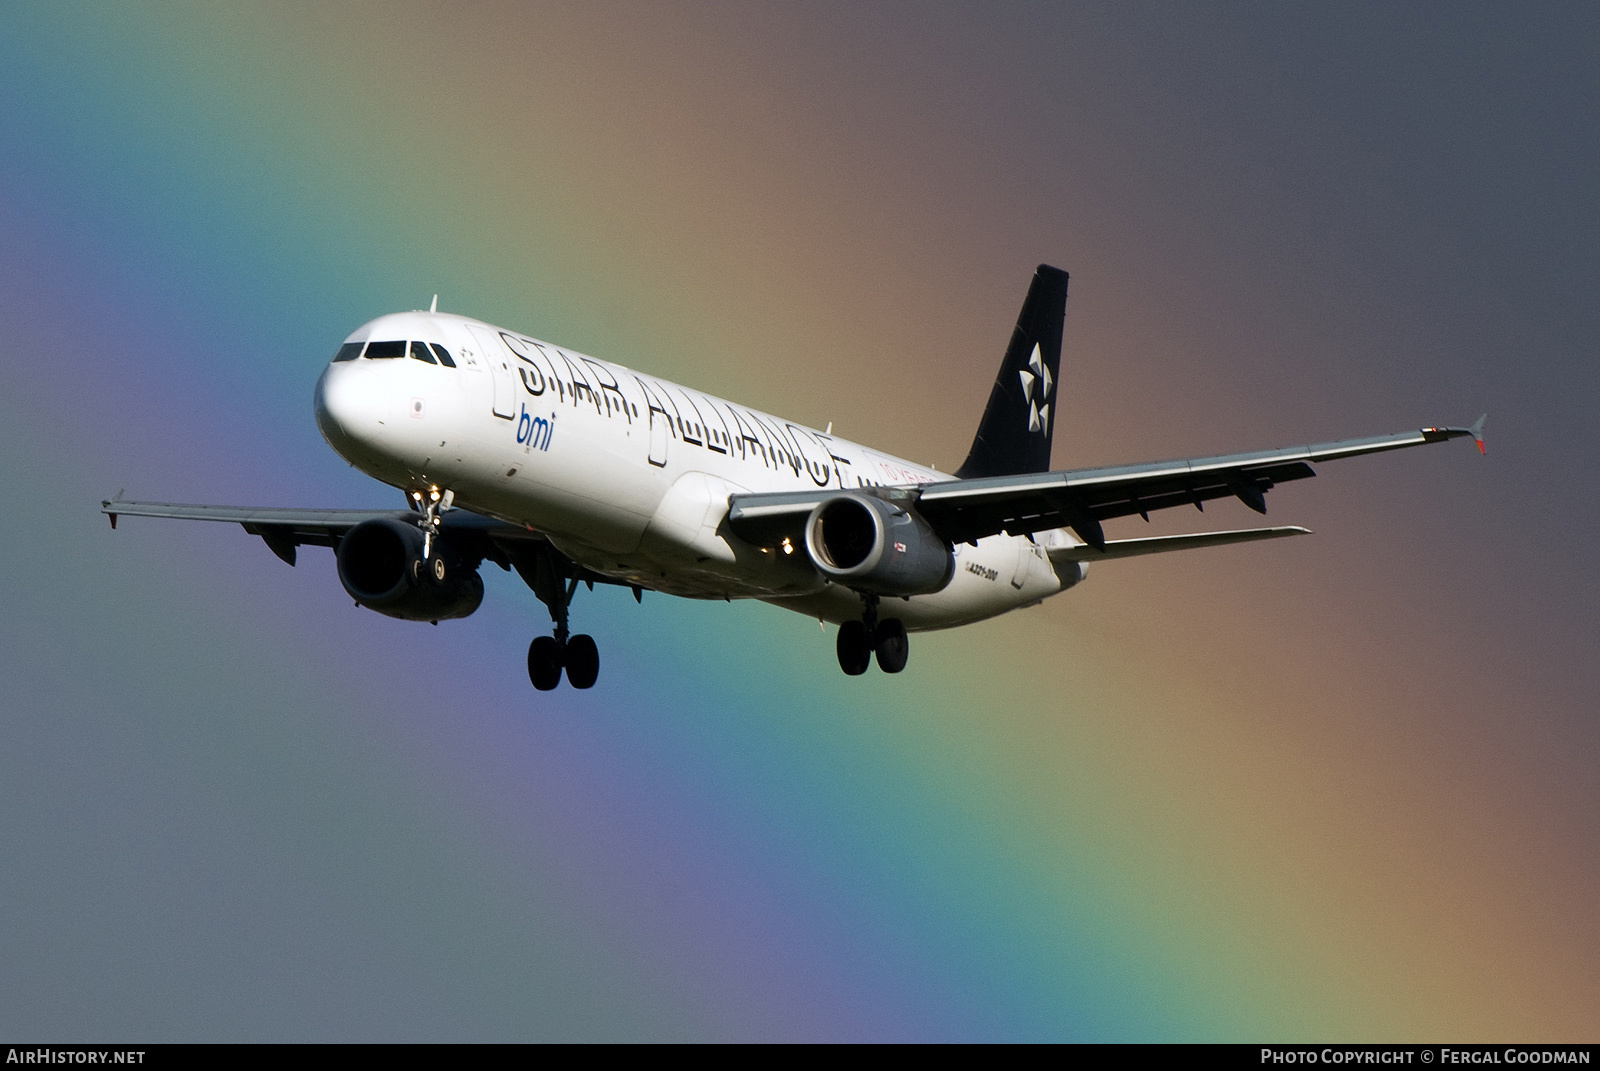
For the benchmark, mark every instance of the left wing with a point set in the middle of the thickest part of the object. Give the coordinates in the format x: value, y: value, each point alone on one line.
x: 964, y: 511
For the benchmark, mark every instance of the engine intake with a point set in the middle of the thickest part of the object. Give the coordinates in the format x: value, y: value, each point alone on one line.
x: 872, y: 545
x: 382, y: 566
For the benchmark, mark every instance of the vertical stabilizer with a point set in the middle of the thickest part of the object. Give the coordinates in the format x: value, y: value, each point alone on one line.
x: 1020, y: 419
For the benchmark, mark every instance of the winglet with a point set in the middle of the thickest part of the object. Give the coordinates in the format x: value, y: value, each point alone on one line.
x: 1439, y: 435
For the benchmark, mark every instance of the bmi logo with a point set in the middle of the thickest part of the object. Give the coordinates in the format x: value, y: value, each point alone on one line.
x: 1038, y: 403
x: 535, y: 430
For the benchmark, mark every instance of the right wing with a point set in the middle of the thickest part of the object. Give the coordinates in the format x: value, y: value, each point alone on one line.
x: 282, y: 530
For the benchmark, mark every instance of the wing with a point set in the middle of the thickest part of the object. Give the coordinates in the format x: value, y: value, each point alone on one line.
x: 473, y: 535
x: 964, y: 511
x: 285, y: 529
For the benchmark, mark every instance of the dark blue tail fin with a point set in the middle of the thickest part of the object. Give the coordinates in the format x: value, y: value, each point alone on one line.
x: 1014, y: 436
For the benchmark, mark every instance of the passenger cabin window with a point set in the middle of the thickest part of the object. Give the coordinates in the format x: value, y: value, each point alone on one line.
x: 420, y: 352
x: 444, y: 356
x: 382, y: 351
x: 349, y: 351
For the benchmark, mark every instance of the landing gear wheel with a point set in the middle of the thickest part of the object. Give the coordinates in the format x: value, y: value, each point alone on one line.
x: 544, y: 663
x: 893, y: 646
x: 583, y: 661
x: 855, y: 648
x: 436, y: 568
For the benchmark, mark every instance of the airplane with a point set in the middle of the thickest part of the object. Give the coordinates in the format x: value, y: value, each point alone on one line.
x: 576, y: 471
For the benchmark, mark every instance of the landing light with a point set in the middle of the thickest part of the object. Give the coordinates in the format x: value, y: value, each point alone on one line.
x: 788, y: 547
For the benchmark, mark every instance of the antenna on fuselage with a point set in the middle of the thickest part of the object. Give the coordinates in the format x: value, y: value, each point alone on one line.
x: 435, y: 306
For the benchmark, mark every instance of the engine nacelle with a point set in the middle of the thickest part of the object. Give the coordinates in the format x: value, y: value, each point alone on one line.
x: 382, y: 566
x: 872, y: 545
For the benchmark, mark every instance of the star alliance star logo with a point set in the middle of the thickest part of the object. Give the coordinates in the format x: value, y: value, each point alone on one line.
x: 1038, y: 415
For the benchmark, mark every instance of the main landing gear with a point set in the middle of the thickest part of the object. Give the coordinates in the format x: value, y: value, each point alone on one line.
x: 549, y: 655
x: 860, y: 640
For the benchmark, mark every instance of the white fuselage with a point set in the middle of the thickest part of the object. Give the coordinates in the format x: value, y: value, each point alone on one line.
x: 630, y: 475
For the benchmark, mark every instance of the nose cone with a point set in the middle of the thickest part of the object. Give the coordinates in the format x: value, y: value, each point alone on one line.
x: 350, y: 411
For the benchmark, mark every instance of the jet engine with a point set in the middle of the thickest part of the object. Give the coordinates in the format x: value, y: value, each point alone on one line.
x: 382, y: 566
x: 873, y: 545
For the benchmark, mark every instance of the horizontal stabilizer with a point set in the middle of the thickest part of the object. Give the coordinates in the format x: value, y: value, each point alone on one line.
x: 1128, y: 548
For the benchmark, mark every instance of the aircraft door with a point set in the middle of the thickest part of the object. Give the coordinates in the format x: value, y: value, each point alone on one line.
x: 659, y: 434
x: 498, y: 358
x: 660, y: 427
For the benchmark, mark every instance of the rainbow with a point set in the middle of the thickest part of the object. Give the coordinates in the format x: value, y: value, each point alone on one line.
x: 1196, y: 800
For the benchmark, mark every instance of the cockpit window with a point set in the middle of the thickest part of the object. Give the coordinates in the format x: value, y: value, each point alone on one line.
x: 380, y: 351
x: 349, y: 351
x: 420, y: 352
x: 444, y: 356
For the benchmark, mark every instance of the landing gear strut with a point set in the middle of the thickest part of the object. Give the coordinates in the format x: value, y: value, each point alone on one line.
x: 430, y: 506
x: 431, y: 566
x: 860, y: 640
x: 549, y: 655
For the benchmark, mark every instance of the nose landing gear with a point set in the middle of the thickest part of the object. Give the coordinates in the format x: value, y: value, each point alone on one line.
x: 431, y: 505
x: 860, y: 640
